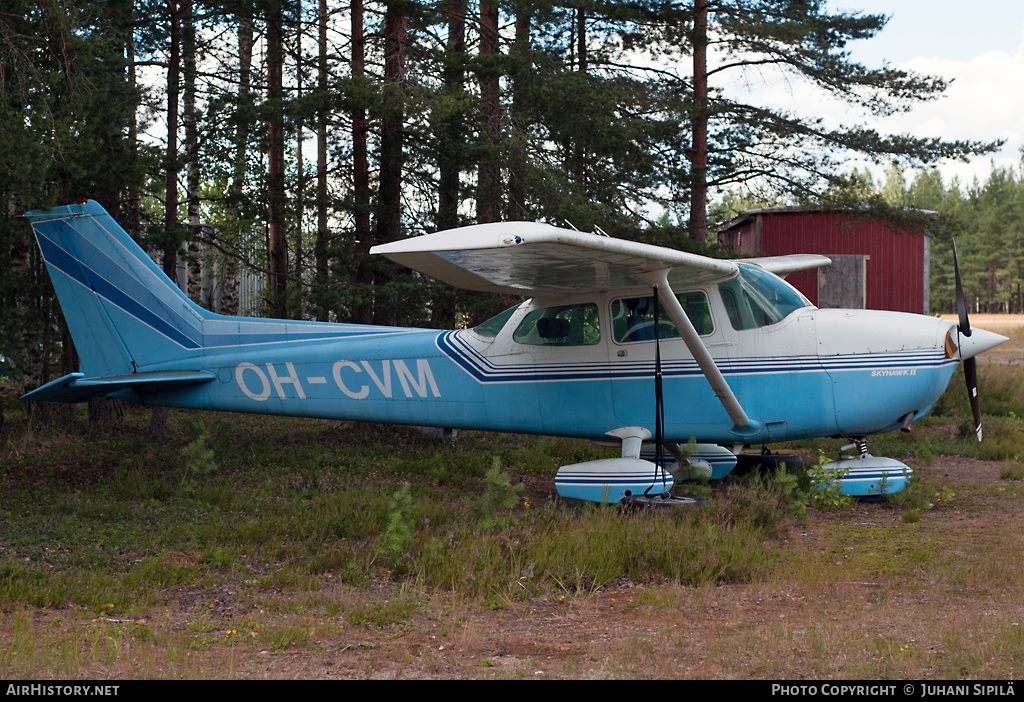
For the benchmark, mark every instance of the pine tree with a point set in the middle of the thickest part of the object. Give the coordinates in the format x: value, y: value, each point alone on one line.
x: 735, y: 141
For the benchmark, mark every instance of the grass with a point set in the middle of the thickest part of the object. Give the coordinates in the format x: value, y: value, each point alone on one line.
x: 242, y: 546
x: 86, y: 527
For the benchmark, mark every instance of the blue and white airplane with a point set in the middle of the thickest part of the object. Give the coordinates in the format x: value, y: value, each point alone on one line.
x: 744, y: 357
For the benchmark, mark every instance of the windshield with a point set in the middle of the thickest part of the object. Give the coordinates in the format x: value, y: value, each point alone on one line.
x: 757, y: 298
x: 492, y: 326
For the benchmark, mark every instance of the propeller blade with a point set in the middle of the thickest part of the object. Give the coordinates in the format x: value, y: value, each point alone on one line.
x: 971, y: 364
x: 971, y: 374
x: 961, y: 304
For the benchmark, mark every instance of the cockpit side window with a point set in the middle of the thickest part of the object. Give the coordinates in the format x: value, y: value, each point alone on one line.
x: 492, y: 326
x: 567, y: 325
x: 756, y: 298
x: 633, y: 317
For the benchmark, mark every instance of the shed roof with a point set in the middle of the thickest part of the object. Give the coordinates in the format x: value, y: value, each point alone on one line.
x: 749, y: 214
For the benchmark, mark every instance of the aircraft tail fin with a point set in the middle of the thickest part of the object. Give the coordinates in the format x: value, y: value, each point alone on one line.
x: 119, y: 305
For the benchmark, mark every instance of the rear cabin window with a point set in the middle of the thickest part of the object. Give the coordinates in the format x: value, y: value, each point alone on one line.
x: 567, y: 325
x: 633, y: 318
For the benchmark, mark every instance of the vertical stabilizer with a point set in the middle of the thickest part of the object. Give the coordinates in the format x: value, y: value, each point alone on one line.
x: 120, y: 307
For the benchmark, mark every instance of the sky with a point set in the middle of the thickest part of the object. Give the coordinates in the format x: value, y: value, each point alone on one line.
x: 978, y: 45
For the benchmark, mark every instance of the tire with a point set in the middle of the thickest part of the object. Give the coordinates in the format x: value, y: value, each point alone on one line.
x: 641, y: 503
x: 768, y: 462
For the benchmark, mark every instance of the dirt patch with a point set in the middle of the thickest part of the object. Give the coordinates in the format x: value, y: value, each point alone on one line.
x: 957, y: 469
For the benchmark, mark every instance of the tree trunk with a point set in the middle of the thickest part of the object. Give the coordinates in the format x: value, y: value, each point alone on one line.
x: 388, y: 210
x: 488, y: 203
x: 107, y: 412
x: 579, y: 153
x: 520, y: 81
x: 69, y: 363
x: 189, y: 119
x: 363, y: 309
x: 581, y: 39
x: 245, y: 42
x: 278, y: 248
x: 322, y: 255
x: 699, y: 151
x: 392, y: 157
x: 300, y: 183
x: 158, y: 420
x: 451, y: 129
x: 170, y: 262
x: 134, y: 199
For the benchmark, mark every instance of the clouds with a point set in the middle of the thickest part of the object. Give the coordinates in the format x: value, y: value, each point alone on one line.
x: 984, y: 102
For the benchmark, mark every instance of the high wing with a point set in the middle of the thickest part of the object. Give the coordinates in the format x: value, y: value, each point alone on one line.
x: 784, y: 265
x: 527, y: 258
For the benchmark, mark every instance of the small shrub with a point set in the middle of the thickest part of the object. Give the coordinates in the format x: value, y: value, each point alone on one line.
x: 499, y: 495
x: 827, y: 486
x: 198, y: 460
x: 399, y: 533
x: 788, y: 485
x: 921, y: 495
x: 1012, y: 473
x: 944, y: 496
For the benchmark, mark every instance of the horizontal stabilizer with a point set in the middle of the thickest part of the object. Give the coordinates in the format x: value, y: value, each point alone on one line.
x: 75, y: 387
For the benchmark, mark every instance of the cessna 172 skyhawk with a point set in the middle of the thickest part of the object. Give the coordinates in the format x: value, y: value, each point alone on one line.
x: 743, y: 357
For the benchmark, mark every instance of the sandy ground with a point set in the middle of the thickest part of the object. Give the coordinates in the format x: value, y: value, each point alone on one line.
x: 993, y: 322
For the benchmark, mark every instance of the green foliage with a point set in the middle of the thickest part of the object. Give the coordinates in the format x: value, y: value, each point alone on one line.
x: 921, y: 495
x: 399, y: 533
x: 1014, y: 472
x: 1004, y: 436
x: 198, y: 461
x: 763, y: 504
x: 499, y: 497
x: 827, y: 485
x: 794, y: 497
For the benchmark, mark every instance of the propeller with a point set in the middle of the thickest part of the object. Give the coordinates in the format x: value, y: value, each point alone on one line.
x: 971, y: 364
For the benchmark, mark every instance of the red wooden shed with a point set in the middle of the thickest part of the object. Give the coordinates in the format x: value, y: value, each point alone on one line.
x: 873, y: 266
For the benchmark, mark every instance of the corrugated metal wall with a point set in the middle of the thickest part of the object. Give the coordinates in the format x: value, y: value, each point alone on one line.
x: 895, y: 271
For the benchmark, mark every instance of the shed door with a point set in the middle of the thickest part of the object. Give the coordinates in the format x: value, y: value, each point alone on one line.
x: 844, y: 283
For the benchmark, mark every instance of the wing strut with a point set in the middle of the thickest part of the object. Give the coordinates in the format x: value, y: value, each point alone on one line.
x: 659, y: 281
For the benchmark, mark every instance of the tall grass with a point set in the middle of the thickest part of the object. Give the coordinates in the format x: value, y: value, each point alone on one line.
x: 99, y: 519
